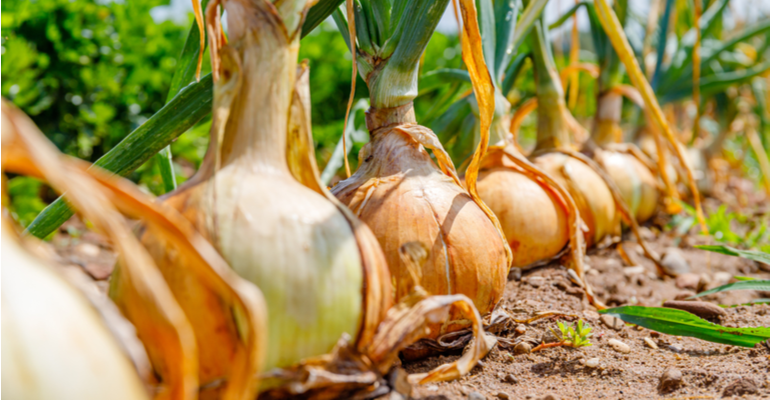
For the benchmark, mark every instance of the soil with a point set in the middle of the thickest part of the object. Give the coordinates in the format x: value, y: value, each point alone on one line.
x: 689, y: 368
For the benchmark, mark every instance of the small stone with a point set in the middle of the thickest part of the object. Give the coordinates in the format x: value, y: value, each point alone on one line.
x: 503, y: 396
x: 548, y: 397
x: 619, y: 346
x: 670, y: 380
x: 646, y: 233
x: 592, y: 362
x: 476, y: 396
x: 514, y: 274
x: 511, y: 379
x: 536, y: 281
x: 612, y: 322
x: 635, y: 270
x: 522, y: 348
x: 654, y: 334
x: 650, y: 343
x: 673, y: 262
x: 675, y: 348
x: 740, y: 387
x: 520, y: 329
x: 688, y: 281
x: 700, y: 308
x: 683, y: 295
x: 87, y: 249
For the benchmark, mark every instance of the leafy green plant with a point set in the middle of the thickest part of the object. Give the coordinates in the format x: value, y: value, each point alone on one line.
x: 682, y: 323
x: 759, y: 256
x: 740, y: 285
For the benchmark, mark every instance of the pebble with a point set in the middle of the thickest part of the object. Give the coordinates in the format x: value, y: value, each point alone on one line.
x: 675, y: 348
x: 476, y: 396
x: 612, y: 322
x: 619, y: 346
x: 592, y: 362
x: 700, y: 308
x: 635, y: 270
x: 740, y: 387
x: 521, y: 329
x: 503, y: 396
x: 522, y: 348
x: 670, y: 380
x: 511, y: 379
x: 673, y: 262
x: 650, y: 343
x: 536, y: 281
x: 688, y: 281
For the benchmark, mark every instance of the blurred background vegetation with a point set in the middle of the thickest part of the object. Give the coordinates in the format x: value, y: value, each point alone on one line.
x: 88, y: 72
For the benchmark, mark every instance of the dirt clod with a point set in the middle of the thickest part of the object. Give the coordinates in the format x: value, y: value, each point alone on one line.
x: 700, y: 308
x: 741, y: 387
x: 503, y: 396
x: 688, y: 281
x: 510, y: 378
x: 670, y: 380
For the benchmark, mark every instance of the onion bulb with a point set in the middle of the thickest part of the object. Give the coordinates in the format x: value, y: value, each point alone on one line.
x: 55, y: 345
x: 319, y: 272
x: 404, y: 196
x: 532, y: 214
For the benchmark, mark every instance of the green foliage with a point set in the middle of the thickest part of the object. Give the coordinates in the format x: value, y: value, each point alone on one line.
x: 732, y: 228
x: 740, y: 285
x: 87, y: 72
x: 682, y: 323
x: 759, y: 256
x: 25, y: 198
x: 577, y: 335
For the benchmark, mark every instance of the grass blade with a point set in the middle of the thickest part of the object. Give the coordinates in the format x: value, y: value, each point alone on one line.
x: 753, y: 255
x: 740, y: 285
x: 175, y: 118
x: 318, y: 13
x: 439, y: 77
x: 528, y: 18
x: 682, y: 323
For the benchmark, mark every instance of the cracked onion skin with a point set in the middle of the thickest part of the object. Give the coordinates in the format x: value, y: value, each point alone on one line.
x: 403, y: 196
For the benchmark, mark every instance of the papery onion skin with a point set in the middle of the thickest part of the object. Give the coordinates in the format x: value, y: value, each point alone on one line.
x: 533, y: 219
x: 287, y: 239
x: 593, y: 198
x: 55, y: 345
x: 403, y: 196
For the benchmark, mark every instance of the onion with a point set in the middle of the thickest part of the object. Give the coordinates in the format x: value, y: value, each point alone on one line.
x: 55, y: 345
x: 320, y: 275
x: 403, y: 196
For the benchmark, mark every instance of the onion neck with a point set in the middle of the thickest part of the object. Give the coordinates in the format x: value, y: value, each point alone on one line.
x: 608, y: 110
x: 377, y: 118
x: 552, y: 127
x: 255, y: 134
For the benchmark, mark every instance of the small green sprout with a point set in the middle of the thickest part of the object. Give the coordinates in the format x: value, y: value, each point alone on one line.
x: 578, y: 335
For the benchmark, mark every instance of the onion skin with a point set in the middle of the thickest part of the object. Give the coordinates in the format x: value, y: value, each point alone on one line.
x: 533, y: 219
x: 403, y: 196
x: 636, y: 183
x: 296, y: 245
x: 593, y: 198
x: 55, y: 345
